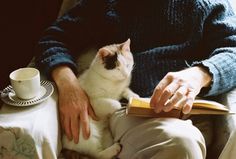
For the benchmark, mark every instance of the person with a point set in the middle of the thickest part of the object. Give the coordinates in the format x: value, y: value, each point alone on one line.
x: 182, y: 49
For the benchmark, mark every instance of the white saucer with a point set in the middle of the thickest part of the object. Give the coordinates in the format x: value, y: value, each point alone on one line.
x: 8, y: 95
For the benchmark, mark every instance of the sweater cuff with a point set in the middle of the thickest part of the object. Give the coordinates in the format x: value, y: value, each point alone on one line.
x: 213, y: 88
x: 48, y: 67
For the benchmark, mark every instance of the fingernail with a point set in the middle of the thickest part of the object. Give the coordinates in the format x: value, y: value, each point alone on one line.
x: 76, y: 141
x: 166, y: 109
x: 157, y: 110
x: 88, y: 132
x: 87, y: 136
x: 186, y: 110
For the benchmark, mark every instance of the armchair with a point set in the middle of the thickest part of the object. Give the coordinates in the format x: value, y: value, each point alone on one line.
x: 223, y: 126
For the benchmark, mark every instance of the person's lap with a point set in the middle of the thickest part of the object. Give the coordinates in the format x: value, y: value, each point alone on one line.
x: 164, y: 138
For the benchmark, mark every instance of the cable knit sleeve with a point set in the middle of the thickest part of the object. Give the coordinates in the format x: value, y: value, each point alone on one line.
x: 219, y: 37
x: 56, y: 47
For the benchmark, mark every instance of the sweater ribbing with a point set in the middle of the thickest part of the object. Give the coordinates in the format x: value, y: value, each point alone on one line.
x: 165, y: 34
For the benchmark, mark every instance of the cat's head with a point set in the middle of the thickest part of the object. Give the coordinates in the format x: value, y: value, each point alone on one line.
x: 114, y: 62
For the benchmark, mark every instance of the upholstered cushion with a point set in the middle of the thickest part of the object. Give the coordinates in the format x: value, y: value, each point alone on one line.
x: 223, y: 125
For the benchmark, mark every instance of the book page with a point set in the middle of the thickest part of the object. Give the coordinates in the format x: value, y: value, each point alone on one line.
x: 207, y: 104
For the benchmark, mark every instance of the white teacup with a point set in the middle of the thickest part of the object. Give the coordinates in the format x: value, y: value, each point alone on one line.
x: 25, y: 82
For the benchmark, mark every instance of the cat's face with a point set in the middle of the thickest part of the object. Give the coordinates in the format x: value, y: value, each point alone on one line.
x: 115, y: 61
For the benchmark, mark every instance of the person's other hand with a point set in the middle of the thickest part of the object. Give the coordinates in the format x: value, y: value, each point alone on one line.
x: 179, y: 89
x: 74, y: 105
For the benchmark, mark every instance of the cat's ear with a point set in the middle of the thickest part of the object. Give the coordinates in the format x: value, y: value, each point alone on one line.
x: 103, y: 53
x: 125, y: 46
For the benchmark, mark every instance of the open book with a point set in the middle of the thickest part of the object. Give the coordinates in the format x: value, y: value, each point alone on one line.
x: 141, y: 107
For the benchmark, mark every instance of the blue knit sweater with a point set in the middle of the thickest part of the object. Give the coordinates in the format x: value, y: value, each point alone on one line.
x: 166, y: 35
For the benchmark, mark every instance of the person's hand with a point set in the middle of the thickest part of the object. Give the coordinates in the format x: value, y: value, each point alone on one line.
x: 74, y: 105
x: 179, y: 89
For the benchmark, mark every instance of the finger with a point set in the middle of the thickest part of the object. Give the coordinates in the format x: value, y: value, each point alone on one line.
x: 158, y: 91
x: 67, y: 128
x: 92, y: 114
x: 166, y: 94
x: 177, y: 99
x: 181, y: 103
x: 84, y: 119
x: 190, y: 99
x: 75, y: 128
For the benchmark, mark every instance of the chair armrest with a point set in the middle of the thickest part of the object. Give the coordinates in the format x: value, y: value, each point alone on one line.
x: 223, y: 124
x: 229, y: 99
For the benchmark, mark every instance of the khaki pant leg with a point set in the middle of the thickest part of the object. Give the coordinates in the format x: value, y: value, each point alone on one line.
x: 163, y: 138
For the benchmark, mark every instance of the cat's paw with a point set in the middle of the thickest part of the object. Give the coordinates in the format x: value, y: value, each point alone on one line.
x: 110, y: 152
x: 116, y: 148
x: 134, y: 95
x: 127, y: 94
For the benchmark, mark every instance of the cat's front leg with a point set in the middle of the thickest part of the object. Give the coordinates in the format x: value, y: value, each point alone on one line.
x: 104, y: 107
x: 128, y: 93
x: 110, y: 152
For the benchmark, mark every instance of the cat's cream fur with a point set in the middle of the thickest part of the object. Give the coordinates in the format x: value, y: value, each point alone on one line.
x: 104, y: 87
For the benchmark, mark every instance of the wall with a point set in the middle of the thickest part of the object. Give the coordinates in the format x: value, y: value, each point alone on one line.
x: 22, y: 23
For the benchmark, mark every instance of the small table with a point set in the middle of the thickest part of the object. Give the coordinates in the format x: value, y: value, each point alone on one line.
x: 31, y: 131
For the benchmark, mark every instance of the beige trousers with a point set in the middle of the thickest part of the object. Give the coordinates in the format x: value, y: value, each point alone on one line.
x: 162, y: 138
